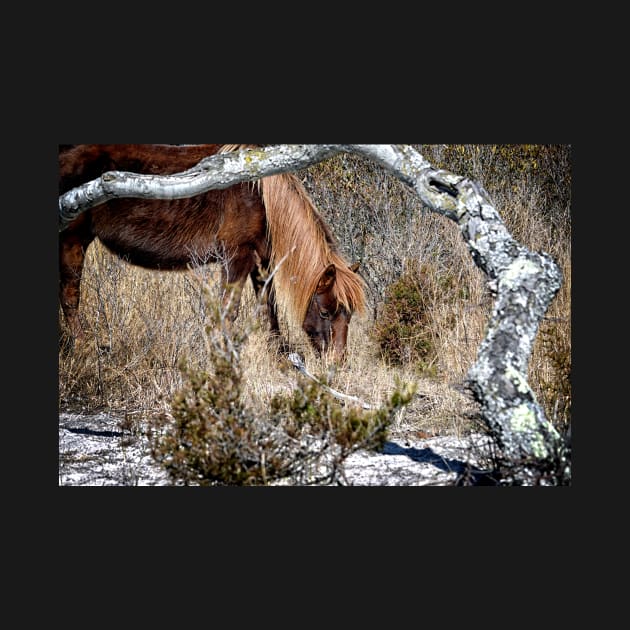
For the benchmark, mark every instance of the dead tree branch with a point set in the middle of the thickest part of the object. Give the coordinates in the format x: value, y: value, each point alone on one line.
x: 298, y: 363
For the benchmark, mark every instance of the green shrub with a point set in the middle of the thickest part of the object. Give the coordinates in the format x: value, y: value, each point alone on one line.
x: 404, y: 329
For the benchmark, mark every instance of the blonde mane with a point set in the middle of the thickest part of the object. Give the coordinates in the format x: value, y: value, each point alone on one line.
x: 297, y: 231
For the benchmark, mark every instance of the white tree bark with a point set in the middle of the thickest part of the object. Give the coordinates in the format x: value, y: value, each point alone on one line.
x: 215, y: 172
x: 523, y: 282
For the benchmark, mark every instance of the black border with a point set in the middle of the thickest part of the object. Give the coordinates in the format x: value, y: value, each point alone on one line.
x: 379, y: 114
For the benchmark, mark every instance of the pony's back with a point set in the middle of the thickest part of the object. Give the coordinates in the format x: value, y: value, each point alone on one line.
x: 244, y: 226
x: 80, y: 163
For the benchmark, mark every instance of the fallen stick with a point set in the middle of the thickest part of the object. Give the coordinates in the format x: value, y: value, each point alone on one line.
x: 298, y: 363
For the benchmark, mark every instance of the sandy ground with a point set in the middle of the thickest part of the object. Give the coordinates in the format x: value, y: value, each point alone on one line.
x: 95, y: 451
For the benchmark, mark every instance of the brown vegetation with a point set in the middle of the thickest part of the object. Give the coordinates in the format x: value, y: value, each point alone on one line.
x: 141, y: 324
x: 213, y: 436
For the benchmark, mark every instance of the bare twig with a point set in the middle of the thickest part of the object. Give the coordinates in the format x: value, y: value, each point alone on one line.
x: 298, y: 363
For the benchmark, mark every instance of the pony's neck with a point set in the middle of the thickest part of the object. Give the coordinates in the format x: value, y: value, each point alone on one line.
x: 302, y: 244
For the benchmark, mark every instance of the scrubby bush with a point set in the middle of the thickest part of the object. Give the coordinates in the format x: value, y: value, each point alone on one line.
x: 404, y: 329
x: 213, y: 437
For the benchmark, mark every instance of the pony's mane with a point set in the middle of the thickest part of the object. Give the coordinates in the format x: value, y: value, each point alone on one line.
x: 298, y: 232
x: 229, y: 148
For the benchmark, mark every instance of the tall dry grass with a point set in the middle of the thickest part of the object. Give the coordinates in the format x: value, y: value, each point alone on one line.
x: 530, y: 186
x: 140, y: 323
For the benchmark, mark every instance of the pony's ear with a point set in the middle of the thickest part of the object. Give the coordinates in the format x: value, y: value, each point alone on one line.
x: 327, y: 279
x: 355, y: 267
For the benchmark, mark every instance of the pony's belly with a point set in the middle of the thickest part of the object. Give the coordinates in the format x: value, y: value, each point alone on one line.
x: 165, y: 257
x: 158, y: 245
x: 151, y: 238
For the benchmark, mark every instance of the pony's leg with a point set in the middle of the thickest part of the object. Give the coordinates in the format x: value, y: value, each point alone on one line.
x: 71, y: 258
x: 233, y: 280
x: 258, y: 283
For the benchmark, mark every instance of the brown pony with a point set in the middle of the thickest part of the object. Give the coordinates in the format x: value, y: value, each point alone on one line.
x: 248, y: 227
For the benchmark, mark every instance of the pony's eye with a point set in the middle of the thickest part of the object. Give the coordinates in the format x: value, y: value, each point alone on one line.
x: 324, y: 314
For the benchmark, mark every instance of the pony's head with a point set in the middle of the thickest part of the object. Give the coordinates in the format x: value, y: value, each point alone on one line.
x: 327, y: 316
x: 322, y: 289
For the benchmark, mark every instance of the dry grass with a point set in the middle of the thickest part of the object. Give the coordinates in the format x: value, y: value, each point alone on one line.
x: 139, y: 323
